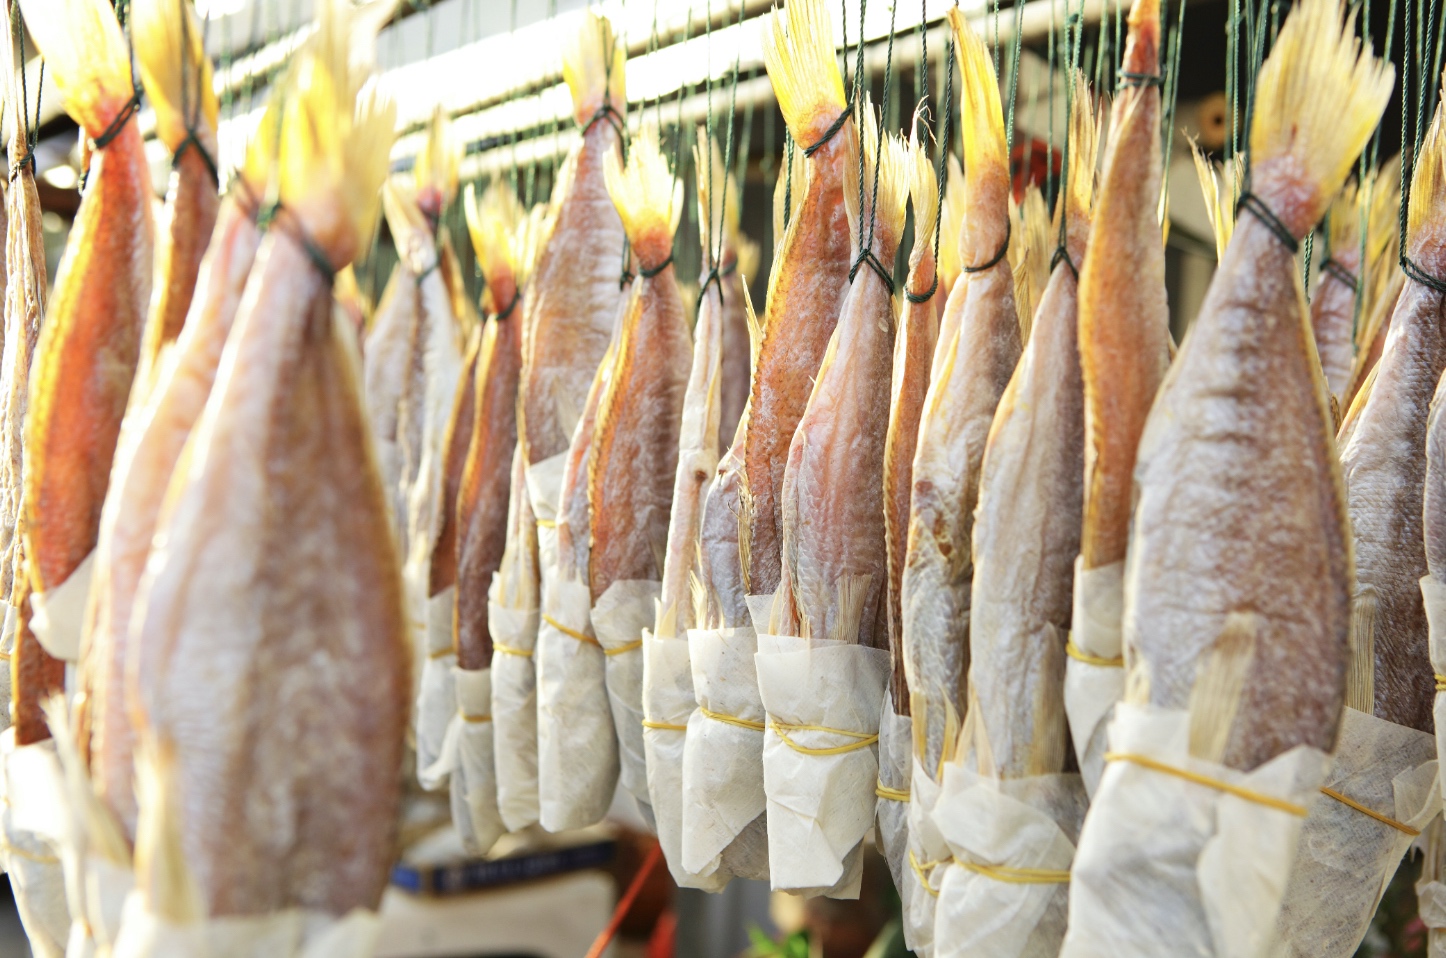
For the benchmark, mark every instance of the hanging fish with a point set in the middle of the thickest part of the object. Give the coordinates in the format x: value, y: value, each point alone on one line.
x: 177, y: 75
x: 950, y: 225
x: 978, y: 347
x: 738, y: 267
x: 155, y: 433
x: 1030, y: 256
x: 90, y: 343
x: 809, y: 281
x: 1124, y: 350
x: 273, y: 619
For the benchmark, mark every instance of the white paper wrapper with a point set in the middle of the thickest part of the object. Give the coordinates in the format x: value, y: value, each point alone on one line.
x: 1168, y: 863
x: 618, y: 619
x: 577, y: 752
x: 725, y: 832
x: 1346, y: 858
x: 926, y: 855
x: 1431, y: 889
x: 820, y: 806
x: 1027, y: 823
x: 1091, y: 689
x: 474, y: 772
x: 1433, y: 593
x: 289, y: 934
x: 436, y: 700
x: 514, y: 712
x: 33, y: 859
x: 58, y: 614
x: 891, y: 815
x: 669, y: 704
x: 7, y: 647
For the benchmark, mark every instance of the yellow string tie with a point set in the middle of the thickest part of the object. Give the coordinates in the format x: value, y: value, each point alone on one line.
x: 441, y: 653
x: 1370, y: 812
x: 669, y: 726
x: 509, y: 650
x: 582, y: 637
x: 1250, y: 795
x: 891, y: 794
x: 727, y: 719
x: 1017, y: 876
x: 922, y: 871
x: 547, y: 523
x: 861, y: 739
x: 36, y: 857
x: 476, y: 719
x: 1441, y: 683
x: 624, y: 648
x: 1075, y: 652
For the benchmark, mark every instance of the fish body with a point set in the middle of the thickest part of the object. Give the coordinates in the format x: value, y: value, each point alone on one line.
x: 387, y: 355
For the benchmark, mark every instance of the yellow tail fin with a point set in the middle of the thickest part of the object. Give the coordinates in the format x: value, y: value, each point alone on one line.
x: 335, y: 140
x: 493, y: 223
x: 799, y: 54
x: 1318, y: 97
x: 259, y: 169
x: 1344, y: 219
x: 888, y: 209
x: 1029, y: 254
x: 593, y: 64
x: 162, y: 872
x: 1218, y: 204
x: 983, y: 121
x: 85, y: 54
x: 175, y: 70
x: 1086, y: 133
x: 951, y: 221
x: 717, y: 206
x: 1426, y: 217
x: 649, y: 199
x: 924, y: 193
x: 437, y: 165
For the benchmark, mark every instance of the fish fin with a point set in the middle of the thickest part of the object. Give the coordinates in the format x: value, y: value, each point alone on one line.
x: 410, y: 231
x: 972, y: 746
x: 755, y: 332
x: 885, y: 194
x: 649, y: 199
x: 924, y: 194
x: 1347, y: 210
x: 799, y: 54
x: 1218, y: 206
x: 175, y: 70
x: 1318, y: 98
x: 1030, y: 248
x: 100, y: 832
x: 1425, y: 224
x: 982, y: 122
x: 746, y: 510
x: 437, y: 165
x: 853, y: 590
x: 1383, y: 232
x: 717, y: 200
x: 1361, y: 672
x: 1086, y: 133
x: 259, y: 169
x: 594, y: 67
x: 1219, y: 685
x: 86, y: 57
x: 162, y: 872
x: 698, y: 596
x: 666, y: 619
x: 951, y: 221
x: 493, y: 223
x: 335, y: 140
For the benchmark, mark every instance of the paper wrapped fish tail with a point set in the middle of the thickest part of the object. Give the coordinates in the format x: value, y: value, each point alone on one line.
x: 88, y: 348
x: 1124, y: 344
x: 177, y: 75
x: 294, y: 504
x: 1218, y: 749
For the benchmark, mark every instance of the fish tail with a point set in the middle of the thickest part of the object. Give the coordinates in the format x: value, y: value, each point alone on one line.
x: 593, y: 62
x: 259, y: 168
x: 1086, y: 132
x: 951, y: 221
x: 1029, y: 256
x: 788, y: 192
x: 1425, y: 222
x: 1318, y: 97
x: 649, y: 199
x: 437, y: 166
x: 885, y: 209
x: 1218, y: 205
x: 335, y: 140
x: 982, y: 122
x: 1343, y: 230
x: 160, y: 861
x: 798, y: 51
x: 175, y: 70
x: 718, y: 203
x: 1142, y: 49
x: 85, y: 55
x: 923, y: 192
x: 493, y: 223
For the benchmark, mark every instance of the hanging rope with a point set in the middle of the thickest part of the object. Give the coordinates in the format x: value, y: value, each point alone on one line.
x: 1074, y: 23
x: 866, y: 252
x: 191, y: 97
x: 1413, y: 270
x: 30, y: 129
x: 1014, y: 78
x: 941, y: 142
x: 716, y: 269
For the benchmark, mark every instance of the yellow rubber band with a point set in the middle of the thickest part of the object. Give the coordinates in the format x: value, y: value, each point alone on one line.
x: 920, y: 872
x: 624, y: 648
x: 35, y: 857
x: 1074, y: 652
x: 442, y: 653
x: 1017, y: 876
x: 727, y: 719
x: 891, y: 794
x: 1259, y: 798
x: 509, y: 650
x: 476, y: 719
x: 1370, y: 812
x: 862, y: 740
x: 582, y: 637
x: 1441, y: 683
x: 669, y: 726
x: 547, y: 523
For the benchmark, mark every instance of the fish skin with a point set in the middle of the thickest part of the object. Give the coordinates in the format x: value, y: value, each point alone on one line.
x: 1026, y: 537
x: 737, y: 376
x: 323, y: 604
x: 634, y: 456
x: 718, y: 538
x: 574, y: 302
x: 484, y: 502
x: 156, y: 431
x: 86, y: 359
x: 574, y: 516
x: 1332, y: 314
x: 1124, y: 316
